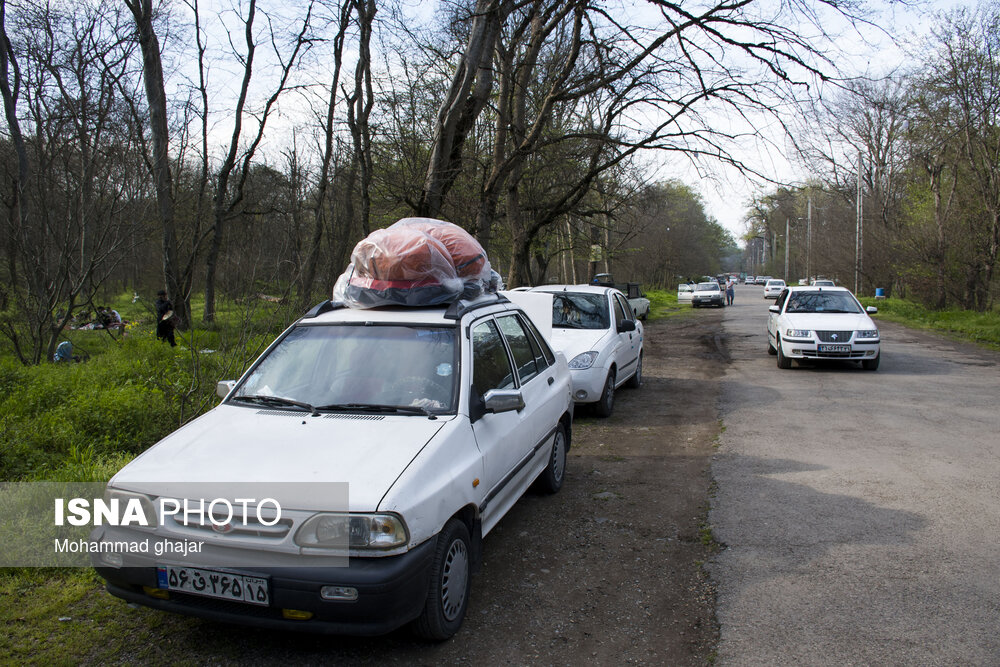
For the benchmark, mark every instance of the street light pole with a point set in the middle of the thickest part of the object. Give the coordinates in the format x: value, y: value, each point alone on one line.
x: 809, y: 233
x: 859, y: 233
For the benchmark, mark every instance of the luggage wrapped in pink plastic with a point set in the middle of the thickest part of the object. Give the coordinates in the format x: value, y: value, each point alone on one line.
x: 415, y: 262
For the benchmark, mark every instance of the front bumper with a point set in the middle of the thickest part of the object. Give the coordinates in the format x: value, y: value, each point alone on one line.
x: 392, y: 591
x: 810, y: 348
x: 588, y: 384
x: 709, y: 301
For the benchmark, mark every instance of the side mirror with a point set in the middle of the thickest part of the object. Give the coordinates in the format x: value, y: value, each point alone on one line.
x: 503, y: 400
x: 223, y: 387
x: 871, y: 310
x: 774, y: 309
x: 626, y: 325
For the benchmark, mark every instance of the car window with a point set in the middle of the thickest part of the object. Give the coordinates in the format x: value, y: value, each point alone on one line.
x: 490, y: 363
x: 543, y: 356
x: 619, y: 311
x: 576, y: 310
x: 626, y: 307
x: 520, y: 347
x: 822, y: 302
x: 780, y: 301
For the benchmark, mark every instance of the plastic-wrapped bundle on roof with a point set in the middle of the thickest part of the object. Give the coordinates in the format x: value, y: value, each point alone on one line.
x: 415, y: 262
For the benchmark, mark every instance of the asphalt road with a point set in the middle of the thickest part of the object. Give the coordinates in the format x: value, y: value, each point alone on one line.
x: 859, y: 511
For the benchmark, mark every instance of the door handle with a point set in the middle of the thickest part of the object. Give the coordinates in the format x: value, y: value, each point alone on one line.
x: 551, y: 380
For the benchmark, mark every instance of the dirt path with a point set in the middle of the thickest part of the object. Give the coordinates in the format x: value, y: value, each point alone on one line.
x: 606, y: 572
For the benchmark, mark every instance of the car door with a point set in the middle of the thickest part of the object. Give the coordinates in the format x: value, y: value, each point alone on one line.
x: 505, y: 439
x: 627, y: 353
x: 772, y: 317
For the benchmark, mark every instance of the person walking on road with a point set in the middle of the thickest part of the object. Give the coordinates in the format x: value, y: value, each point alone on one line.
x: 164, y: 318
x: 730, y: 292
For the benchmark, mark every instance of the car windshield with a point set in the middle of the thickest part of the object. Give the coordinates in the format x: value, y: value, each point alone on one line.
x: 822, y: 302
x: 708, y: 287
x: 576, y: 310
x: 356, y: 368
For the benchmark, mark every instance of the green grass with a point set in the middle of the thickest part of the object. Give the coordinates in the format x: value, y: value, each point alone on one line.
x: 981, y: 328
x: 663, y: 304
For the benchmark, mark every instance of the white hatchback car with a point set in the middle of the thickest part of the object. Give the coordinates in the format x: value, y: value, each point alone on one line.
x: 597, y: 331
x: 822, y: 323
x: 436, y: 420
x: 708, y: 294
x: 773, y: 288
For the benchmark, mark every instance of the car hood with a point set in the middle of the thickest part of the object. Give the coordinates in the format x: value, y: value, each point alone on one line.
x: 572, y: 342
x: 233, y: 445
x: 829, y: 321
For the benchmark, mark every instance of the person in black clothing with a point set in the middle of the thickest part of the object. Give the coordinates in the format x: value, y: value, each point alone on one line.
x: 164, y: 318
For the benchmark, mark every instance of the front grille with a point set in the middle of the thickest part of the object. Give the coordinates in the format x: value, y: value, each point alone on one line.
x: 835, y: 336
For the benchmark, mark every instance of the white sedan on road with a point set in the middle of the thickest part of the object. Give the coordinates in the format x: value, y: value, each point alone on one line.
x: 822, y: 323
x: 773, y: 288
x: 597, y: 331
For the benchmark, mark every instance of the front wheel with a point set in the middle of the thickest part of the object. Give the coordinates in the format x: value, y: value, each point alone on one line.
x: 450, y: 582
x: 871, y: 364
x: 783, y: 361
x: 606, y: 403
x: 551, y: 479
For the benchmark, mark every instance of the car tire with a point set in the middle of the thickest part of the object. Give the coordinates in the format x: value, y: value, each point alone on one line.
x: 635, y: 381
x: 551, y: 478
x: 871, y: 364
x: 606, y: 403
x: 450, y: 583
x: 783, y: 361
x: 770, y: 347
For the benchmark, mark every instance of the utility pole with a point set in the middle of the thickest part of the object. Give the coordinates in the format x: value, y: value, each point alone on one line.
x: 809, y: 235
x: 787, y: 240
x: 859, y: 232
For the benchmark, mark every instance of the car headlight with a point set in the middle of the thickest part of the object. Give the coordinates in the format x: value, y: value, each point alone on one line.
x: 356, y: 531
x: 583, y: 361
x: 867, y: 333
x: 798, y: 333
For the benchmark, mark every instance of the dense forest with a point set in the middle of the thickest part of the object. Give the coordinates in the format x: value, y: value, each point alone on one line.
x: 232, y: 150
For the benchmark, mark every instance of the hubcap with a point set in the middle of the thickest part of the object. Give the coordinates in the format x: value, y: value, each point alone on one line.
x: 559, y: 456
x: 454, y: 580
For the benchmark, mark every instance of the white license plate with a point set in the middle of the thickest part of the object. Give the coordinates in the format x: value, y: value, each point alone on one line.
x: 214, y: 584
x: 834, y: 348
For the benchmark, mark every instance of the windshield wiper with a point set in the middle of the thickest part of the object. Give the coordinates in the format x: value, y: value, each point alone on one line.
x: 275, y: 400
x: 374, y: 407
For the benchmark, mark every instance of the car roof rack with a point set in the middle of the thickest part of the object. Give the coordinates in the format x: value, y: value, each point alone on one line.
x: 459, y: 308
x: 323, y: 307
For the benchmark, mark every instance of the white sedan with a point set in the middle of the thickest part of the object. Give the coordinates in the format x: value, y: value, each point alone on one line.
x: 773, y: 288
x: 597, y: 331
x: 822, y: 323
x: 708, y: 294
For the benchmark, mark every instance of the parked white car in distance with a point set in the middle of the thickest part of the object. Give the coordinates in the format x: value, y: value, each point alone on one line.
x: 708, y: 294
x: 436, y: 419
x: 773, y: 288
x: 595, y: 329
x: 818, y: 323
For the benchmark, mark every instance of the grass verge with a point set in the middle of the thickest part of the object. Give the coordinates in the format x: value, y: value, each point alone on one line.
x: 981, y: 328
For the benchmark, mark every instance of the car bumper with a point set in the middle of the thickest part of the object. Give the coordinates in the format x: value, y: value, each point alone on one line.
x: 811, y: 349
x: 588, y: 384
x: 392, y: 591
x: 714, y: 301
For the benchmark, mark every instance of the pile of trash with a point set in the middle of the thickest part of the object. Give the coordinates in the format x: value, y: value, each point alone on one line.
x: 416, y: 262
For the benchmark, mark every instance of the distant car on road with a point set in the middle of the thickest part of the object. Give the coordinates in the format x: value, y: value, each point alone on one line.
x: 822, y: 323
x: 762, y: 280
x: 708, y: 294
x: 773, y: 288
x: 822, y: 282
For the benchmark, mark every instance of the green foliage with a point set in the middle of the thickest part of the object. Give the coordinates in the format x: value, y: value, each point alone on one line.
x: 970, y: 325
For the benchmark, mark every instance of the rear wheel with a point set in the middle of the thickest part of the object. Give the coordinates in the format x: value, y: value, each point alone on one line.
x: 551, y: 479
x: 448, y: 593
x: 635, y: 381
x: 783, y: 361
x: 606, y: 403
